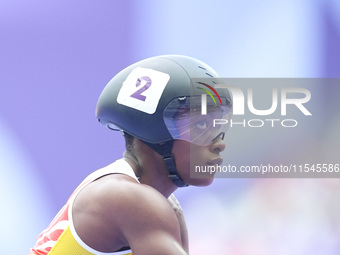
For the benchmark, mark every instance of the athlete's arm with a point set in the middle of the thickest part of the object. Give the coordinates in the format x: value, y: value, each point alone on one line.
x: 110, y: 214
x: 153, y: 227
x: 181, y: 220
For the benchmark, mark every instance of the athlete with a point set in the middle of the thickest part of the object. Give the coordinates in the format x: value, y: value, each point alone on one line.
x: 128, y: 207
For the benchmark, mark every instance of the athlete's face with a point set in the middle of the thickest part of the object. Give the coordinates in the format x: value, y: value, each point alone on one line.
x: 198, y: 144
x: 190, y: 157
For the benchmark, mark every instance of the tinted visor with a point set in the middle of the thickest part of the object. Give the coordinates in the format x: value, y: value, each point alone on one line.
x: 197, y: 119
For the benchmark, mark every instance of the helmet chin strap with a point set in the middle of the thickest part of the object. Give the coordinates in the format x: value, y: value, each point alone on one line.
x: 165, y: 150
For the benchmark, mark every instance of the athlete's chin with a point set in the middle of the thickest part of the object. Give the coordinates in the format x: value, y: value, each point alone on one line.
x: 201, y: 182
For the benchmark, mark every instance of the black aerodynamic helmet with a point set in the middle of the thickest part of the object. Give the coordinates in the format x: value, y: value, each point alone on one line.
x: 159, y: 99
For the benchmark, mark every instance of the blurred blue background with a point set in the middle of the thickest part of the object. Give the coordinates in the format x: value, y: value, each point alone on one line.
x: 57, y: 56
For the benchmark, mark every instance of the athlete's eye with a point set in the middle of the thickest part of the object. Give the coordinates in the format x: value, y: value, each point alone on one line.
x: 201, y: 125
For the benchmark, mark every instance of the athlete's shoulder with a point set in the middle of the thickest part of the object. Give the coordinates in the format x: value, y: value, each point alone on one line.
x: 115, y: 205
x: 124, y: 193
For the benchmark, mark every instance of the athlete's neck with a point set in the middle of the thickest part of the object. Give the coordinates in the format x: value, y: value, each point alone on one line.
x: 151, y: 174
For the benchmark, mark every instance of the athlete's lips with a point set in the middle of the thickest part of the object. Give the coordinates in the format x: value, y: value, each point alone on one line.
x: 216, y: 161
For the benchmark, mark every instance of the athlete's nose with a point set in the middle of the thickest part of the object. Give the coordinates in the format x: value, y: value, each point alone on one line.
x: 217, y: 144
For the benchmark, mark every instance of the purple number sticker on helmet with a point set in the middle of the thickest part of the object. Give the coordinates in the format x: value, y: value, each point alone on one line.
x: 136, y: 91
x: 138, y: 94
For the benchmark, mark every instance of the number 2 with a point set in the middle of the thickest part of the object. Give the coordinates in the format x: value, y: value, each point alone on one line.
x: 138, y: 94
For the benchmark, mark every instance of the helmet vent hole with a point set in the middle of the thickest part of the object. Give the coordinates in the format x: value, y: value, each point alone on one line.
x: 202, y: 67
